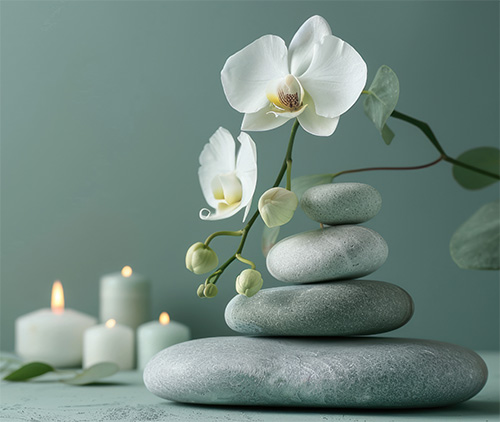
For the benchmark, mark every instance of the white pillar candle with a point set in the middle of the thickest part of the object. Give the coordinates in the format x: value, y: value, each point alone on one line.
x: 155, y: 336
x: 109, y: 342
x: 53, y: 336
x: 125, y: 297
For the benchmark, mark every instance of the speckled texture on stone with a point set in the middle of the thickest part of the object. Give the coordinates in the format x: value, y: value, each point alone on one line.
x: 333, y: 253
x: 341, y: 308
x: 341, y: 203
x: 348, y: 373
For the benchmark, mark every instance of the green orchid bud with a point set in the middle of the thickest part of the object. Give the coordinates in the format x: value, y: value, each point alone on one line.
x: 249, y: 282
x: 277, y: 205
x: 210, y: 290
x: 199, y: 292
x: 201, y: 259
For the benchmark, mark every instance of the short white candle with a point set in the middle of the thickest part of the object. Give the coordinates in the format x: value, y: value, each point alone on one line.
x: 109, y: 342
x: 125, y: 297
x: 155, y: 336
x: 53, y: 336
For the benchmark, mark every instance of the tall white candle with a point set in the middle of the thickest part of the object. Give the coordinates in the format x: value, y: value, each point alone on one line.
x: 55, y: 335
x: 109, y: 342
x: 125, y: 297
x: 155, y: 336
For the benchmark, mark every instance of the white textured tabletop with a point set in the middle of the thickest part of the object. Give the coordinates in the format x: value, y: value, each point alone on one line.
x: 123, y: 397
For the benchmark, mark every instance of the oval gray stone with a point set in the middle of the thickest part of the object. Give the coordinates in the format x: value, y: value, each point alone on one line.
x: 342, y: 308
x: 366, y: 372
x: 341, y: 203
x: 332, y: 253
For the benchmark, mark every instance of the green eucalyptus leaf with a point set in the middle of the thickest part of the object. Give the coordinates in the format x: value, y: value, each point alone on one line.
x: 30, y: 370
x: 93, y: 373
x: 269, y: 237
x: 383, y: 95
x: 486, y: 158
x: 302, y: 183
x: 475, y: 245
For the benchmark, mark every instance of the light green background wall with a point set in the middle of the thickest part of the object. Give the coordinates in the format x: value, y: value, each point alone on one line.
x: 105, y: 107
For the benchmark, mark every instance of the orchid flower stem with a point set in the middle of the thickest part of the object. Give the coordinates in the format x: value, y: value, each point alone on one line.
x: 244, y: 232
x: 425, y: 128
x: 222, y: 233
x: 245, y: 261
x: 289, y: 174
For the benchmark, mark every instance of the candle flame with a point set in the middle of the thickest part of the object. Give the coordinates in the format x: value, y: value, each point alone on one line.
x: 126, y: 271
x: 57, y: 300
x: 164, y: 318
x: 110, y: 323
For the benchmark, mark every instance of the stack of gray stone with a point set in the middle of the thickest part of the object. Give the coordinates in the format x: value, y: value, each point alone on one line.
x: 303, y: 346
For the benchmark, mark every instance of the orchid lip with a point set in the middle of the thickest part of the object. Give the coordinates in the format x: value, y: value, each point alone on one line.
x: 285, y: 95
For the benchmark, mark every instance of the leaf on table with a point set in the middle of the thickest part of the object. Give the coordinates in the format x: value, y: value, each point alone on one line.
x: 485, y: 158
x: 30, y: 370
x: 475, y: 245
x: 93, y: 373
x: 383, y: 95
x: 302, y: 183
x: 269, y: 237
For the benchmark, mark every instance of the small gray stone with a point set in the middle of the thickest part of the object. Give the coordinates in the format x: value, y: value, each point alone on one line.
x: 365, y: 373
x: 333, y: 253
x: 341, y: 203
x: 342, y: 308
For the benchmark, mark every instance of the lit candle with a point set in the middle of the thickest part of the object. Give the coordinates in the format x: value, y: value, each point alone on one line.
x: 109, y: 342
x: 53, y: 335
x: 125, y: 297
x: 155, y: 336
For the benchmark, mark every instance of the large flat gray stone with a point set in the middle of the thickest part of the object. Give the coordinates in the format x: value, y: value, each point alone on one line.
x: 340, y: 308
x: 341, y: 203
x: 347, y: 373
x: 332, y: 253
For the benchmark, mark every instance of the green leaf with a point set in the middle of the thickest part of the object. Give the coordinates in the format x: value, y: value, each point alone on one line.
x: 93, y: 373
x: 30, y: 370
x: 486, y: 158
x: 302, y: 183
x: 269, y: 237
x: 475, y: 245
x: 383, y: 95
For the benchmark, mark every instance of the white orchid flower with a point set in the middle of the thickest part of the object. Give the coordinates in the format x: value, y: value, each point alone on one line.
x: 228, y: 183
x: 316, y: 80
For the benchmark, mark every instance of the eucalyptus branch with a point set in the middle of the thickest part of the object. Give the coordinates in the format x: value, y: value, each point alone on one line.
x: 244, y: 232
x: 425, y: 128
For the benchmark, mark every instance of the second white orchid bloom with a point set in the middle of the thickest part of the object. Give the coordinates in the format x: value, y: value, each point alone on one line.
x: 318, y: 78
x: 228, y: 182
x: 277, y: 206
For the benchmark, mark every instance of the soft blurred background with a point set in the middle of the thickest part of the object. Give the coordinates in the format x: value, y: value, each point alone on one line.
x: 106, y: 106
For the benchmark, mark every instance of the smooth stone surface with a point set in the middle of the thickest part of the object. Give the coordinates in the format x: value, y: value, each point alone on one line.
x: 347, y: 373
x: 332, y: 253
x: 341, y: 203
x: 341, y: 308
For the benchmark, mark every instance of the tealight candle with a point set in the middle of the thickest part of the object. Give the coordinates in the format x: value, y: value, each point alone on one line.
x: 53, y: 335
x: 157, y: 335
x: 125, y: 297
x: 109, y: 342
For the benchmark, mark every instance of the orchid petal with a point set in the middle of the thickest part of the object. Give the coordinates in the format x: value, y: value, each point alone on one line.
x: 314, y: 124
x: 246, y: 73
x: 262, y: 120
x: 301, y: 48
x: 246, y: 170
x: 335, y: 78
x: 222, y: 211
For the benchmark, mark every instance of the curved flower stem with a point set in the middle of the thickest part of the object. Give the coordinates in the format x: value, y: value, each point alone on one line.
x: 425, y: 128
x: 223, y: 233
x: 334, y: 175
x: 245, y: 261
x: 244, y: 232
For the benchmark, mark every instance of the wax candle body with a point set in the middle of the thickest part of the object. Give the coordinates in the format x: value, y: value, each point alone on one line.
x: 125, y: 299
x: 153, y: 337
x: 54, y: 338
x: 109, y: 344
